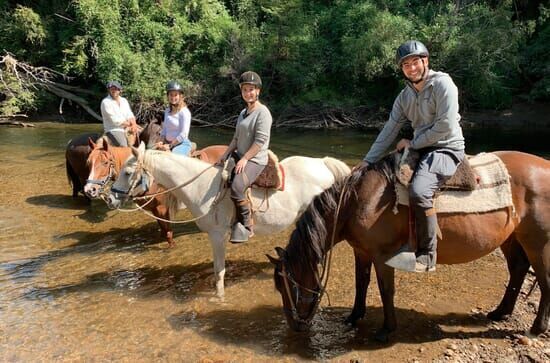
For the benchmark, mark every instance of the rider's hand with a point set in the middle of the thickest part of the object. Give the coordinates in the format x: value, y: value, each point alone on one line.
x: 402, y: 144
x: 361, y: 165
x: 221, y: 160
x: 240, y: 165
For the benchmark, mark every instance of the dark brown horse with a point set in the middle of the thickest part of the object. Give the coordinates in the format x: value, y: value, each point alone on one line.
x: 105, y: 162
x: 367, y: 222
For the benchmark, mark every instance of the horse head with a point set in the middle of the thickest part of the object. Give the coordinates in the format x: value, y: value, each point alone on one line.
x: 102, y: 168
x: 132, y: 181
x: 300, y: 288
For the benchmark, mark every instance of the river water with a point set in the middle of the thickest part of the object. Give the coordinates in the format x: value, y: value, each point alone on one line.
x: 83, y: 283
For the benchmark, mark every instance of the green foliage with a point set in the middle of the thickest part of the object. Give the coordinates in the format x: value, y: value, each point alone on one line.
x: 311, y: 54
x: 535, y: 59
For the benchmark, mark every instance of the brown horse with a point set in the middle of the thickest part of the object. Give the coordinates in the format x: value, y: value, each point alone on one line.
x: 105, y: 162
x: 76, y: 154
x: 367, y: 222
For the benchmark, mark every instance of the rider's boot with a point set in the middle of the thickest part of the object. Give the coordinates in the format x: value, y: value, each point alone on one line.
x: 242, y: 229
x: 426, y: 236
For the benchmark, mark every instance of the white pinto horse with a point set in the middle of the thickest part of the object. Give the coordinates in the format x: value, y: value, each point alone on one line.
x: 305, y: 178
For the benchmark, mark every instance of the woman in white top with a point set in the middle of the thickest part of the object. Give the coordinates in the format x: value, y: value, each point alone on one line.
x: 117, y: 116
x: 177, y: 122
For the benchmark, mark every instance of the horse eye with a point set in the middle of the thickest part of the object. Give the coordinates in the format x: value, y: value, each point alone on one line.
x: 127, y: 173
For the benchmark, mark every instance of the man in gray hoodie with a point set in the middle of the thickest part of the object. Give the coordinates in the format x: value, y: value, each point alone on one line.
x: 430, y: 102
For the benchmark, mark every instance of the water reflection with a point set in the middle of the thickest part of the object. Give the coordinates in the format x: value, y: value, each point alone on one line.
x: 73, y: 273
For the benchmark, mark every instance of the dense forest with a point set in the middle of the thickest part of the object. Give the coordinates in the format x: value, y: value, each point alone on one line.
x: 331, y: 59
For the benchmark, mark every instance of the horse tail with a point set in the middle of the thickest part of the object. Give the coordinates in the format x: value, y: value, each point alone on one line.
x: 337, y: 167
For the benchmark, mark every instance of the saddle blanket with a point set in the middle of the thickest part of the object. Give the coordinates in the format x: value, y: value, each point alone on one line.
x: 493, y: 191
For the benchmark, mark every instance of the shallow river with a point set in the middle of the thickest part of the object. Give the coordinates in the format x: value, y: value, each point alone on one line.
x: 83, y: 283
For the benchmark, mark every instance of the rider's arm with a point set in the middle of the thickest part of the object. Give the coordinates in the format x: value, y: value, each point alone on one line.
x: 184, y: 118
x: 388, y: 134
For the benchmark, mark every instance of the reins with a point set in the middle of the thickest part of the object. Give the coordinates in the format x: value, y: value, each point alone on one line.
x: 321, y: 280
x: 150, y: 197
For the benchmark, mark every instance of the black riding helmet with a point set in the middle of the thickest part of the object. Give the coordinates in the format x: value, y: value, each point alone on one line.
x: 174, y: 86
x: 409, y: 49
x: 250, y: 78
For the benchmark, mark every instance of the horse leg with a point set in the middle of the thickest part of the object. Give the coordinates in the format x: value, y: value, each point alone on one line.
x: 217, y: 239
x: 73, y: 178
x: 162, y: 211
x: 362, y: 279
x: 518, y: 265
x: 540, y: 261
x: 386, y: 285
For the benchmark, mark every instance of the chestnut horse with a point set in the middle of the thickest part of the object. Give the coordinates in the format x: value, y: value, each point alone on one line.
x: 105, y: 162
x: 367, y: 222
x: 78, y: 150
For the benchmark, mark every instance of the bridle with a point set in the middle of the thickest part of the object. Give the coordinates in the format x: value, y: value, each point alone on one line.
x: 143, y: 181
x: 316, y: 297
x: 322, y: 280
x: 110, y: 176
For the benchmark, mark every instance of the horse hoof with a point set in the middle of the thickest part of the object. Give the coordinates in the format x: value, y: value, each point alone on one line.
x: 353, y: 318
x: 382, y: 336
x: 536, y: 331
x: 496, y: 315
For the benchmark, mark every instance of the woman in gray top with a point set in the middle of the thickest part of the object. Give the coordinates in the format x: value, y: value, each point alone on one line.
x: 249, y: 148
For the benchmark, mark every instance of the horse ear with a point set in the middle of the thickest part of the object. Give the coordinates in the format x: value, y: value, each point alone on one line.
x: 91, y: 143
x: 280, y: 252
x: 141, y: 147
x: 105, y: 144
x: 273, y: 260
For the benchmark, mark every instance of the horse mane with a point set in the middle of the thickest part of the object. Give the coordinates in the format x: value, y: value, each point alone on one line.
x: 307, y: 241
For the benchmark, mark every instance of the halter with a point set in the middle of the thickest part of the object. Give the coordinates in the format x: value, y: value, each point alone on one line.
x: 102, y: 182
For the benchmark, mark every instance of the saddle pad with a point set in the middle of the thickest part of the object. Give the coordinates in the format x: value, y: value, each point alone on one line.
x: 493, y: 191
x: 272, y: 177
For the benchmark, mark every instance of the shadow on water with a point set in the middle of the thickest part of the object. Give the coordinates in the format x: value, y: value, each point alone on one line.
x: 128, y: 240
x: 264, y: 329
x: 178, y: 281
x: 94, y: 212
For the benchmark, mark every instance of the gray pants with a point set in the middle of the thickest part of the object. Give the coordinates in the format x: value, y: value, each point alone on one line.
x: 435, y: 167
x: 243, y: 180
x: 117, y: 138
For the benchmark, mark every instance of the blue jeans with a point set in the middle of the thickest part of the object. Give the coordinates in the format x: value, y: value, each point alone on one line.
x: 184, y: 148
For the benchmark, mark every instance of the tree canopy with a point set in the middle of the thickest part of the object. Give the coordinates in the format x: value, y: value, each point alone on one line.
x: 312, y: 55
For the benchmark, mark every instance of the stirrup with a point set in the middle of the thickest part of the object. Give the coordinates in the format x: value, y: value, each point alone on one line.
x: 239, y: 233
x: 404, y: 259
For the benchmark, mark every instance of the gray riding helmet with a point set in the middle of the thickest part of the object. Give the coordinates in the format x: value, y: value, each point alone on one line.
x: 409, y: 49
x: 113, y: 83
x: 250, y: 77
x: 174, y: 86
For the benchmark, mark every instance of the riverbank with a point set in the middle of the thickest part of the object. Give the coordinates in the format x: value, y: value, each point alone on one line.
x: 521, y: 115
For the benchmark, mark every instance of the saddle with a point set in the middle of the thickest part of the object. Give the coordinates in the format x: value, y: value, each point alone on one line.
x: 463, y: 179
x: 273, y: 175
